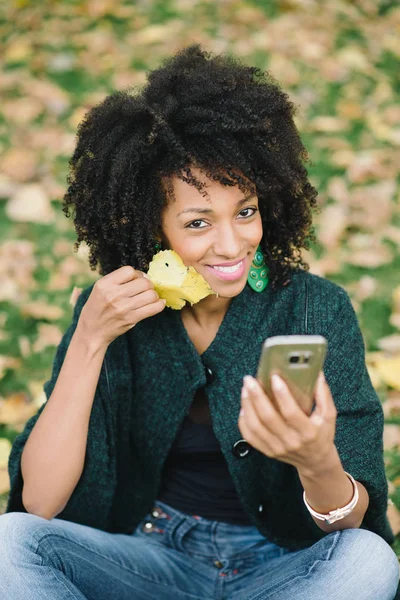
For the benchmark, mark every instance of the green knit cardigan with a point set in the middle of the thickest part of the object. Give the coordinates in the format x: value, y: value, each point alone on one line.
x: 147, y: 383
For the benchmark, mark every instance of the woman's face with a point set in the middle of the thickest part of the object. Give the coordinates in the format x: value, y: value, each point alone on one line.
x: 217, y: 236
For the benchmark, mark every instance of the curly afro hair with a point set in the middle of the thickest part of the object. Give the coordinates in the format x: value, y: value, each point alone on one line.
x: 230, y: 120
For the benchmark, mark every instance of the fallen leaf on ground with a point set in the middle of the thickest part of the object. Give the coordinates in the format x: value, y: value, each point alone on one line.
x: 332, y: 225
x: 393, y: 516
x: 390, y: 343
x: 4, y: 481
x: 48, y: 335
x: 8, y: 362
x: 37, y: 393
x: 365, y: 287
x: 22, y: 111
x: 30, y: 203
x: 328, y: 124
x: 374, y: 375
x: 391, y: 436
x: 389, y: 370
x: 5, y: 449
x: 41, y: 310
x: 392, y: 233
x: 16, y: 409
x: 76, y: 292
x: 20, y: 164
x: 24, y: 346
x: 374, y: 257
x: 391, y: 406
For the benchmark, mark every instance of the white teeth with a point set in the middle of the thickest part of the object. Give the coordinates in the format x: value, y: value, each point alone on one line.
x: 229, y: 269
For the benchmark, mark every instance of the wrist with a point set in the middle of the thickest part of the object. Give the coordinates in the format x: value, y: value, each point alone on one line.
x: 89, y: 342
x: 325, y: 465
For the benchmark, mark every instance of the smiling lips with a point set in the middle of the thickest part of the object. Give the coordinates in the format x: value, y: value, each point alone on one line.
x: 229, y: 271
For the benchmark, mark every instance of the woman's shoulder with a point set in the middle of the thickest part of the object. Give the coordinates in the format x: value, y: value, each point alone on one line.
x: 327, y: 302
x: 318, y: 288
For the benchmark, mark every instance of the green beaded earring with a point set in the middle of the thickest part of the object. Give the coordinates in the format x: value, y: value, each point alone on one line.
x: 157, y: 246
x: 258, y: 274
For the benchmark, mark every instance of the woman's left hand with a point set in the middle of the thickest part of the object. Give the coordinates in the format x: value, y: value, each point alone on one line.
x: 286, y: 433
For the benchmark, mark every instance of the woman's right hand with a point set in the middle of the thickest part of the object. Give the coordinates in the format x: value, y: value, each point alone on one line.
x: 117, y: 302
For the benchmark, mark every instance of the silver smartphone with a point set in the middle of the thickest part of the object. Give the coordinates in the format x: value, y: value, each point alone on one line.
x: 298, y: 359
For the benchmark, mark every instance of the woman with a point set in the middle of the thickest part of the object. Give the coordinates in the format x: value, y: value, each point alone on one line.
x: 154, y: 470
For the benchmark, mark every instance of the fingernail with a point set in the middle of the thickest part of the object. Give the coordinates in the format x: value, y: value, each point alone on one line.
x: 245, y: 393
x: 241, y: 414
x: 250, y: 382
x: 277, y: 383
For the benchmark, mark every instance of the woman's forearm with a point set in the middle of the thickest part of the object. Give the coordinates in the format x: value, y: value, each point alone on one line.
x: 54, y: 454
x: 327, y: 488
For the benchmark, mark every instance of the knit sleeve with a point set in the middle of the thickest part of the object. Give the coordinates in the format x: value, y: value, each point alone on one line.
x: 359, y: 429
x: 14, y: 464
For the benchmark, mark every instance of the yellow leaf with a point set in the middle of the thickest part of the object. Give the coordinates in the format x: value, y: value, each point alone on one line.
x: 5, y: 449
x: 389, y: 370
x: 176, y: 283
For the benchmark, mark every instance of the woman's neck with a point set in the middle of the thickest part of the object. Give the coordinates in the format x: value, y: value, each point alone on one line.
x: 208, y: 311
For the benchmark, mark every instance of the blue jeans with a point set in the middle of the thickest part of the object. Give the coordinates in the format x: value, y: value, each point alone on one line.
x: 174, y: 556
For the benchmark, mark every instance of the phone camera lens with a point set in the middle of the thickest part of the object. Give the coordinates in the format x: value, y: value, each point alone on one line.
x: 294, y: 358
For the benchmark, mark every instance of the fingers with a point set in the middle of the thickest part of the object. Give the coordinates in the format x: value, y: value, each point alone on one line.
x: 262, y: 409
x: 122, y: 275
x: 149, y: 310
x: 262, y: 425
x: 325, y: 409
x: 137, y: 286
x: 251, y: 427
x: 149, y: 296
x: 283, y: 431
x: 287, y: 405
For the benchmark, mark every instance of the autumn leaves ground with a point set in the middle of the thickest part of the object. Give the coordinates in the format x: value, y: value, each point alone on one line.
x: 339, y: 63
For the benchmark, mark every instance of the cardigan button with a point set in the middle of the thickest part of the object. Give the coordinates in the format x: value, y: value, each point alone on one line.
x: 147, y: 527
x: 210, y: 377
x: 260, y: 509
x: 241, y: 449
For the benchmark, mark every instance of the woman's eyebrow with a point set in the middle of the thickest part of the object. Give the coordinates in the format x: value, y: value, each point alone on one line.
x: 204, y: 211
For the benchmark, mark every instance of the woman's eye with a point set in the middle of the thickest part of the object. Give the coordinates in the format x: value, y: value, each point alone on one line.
x: 253, y: 212
x: 245, y: 213
x: 195, y: 225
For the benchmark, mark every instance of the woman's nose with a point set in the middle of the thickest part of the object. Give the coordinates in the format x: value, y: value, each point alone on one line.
x: 228, y: 245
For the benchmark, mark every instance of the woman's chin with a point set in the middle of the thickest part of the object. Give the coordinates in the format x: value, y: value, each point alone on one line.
x: 227, y: 290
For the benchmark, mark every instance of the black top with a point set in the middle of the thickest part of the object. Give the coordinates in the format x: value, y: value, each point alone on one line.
x: 195, y: 478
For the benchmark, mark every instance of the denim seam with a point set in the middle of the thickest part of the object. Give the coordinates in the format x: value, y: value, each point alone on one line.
x: 306, y: 573
x: 279, y: 588
x: 128, y: 570
x: 334, y: 544
x: 52, y: 570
